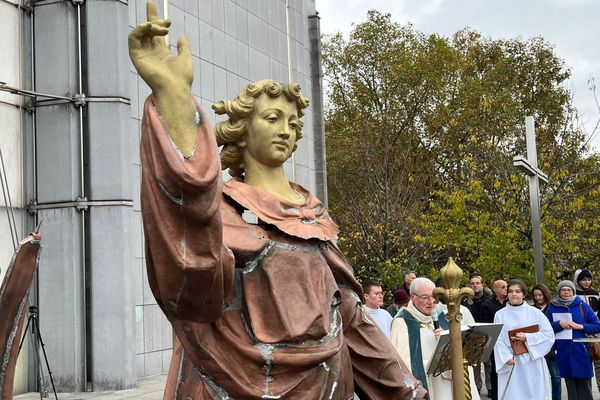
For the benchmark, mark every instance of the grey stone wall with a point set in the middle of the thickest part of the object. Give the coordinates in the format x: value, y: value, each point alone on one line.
x: 100, y: 322
x: 85, y: 283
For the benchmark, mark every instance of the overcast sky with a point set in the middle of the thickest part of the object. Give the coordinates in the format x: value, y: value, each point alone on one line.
x: 573, y: 26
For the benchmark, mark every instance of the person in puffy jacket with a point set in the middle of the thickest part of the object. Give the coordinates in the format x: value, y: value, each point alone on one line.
x: 583, y: 281
x: 541, y: 300
x: 572, y: 318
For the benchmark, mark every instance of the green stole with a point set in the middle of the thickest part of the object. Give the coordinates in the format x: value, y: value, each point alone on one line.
x: 414, y: 343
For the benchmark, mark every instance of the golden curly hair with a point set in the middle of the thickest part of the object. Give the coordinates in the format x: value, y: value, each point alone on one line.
x: 230, y: 132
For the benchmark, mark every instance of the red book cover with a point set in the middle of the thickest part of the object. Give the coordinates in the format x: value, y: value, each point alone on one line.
x: 518, y: 346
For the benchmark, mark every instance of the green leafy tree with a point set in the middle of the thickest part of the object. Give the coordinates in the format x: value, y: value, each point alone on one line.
x: 421, y: 132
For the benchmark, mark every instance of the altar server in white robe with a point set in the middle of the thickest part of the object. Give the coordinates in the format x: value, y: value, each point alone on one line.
x: 523, y: 376
x: 415, y: 338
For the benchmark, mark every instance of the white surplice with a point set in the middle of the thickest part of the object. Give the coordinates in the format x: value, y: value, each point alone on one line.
x: 382, y: 318
x: 529, y: 379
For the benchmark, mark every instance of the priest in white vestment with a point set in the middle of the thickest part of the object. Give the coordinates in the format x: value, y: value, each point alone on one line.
x: 523, y: 376
x: 415, y: 339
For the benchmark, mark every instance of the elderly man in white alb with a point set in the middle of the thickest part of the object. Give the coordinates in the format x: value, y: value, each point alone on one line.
x: 415, y: 339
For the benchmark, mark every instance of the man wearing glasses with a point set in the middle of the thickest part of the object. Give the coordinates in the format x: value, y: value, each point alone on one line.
x: 373, y: 299
x: 415, y: 337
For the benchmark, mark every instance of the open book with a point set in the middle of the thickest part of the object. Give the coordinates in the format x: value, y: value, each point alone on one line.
x: 478, y: 344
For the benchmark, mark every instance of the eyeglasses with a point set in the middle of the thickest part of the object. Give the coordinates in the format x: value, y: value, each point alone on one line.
x: 425, y: 297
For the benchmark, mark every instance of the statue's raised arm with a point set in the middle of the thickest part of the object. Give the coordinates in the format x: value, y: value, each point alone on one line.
x: 169, y: 76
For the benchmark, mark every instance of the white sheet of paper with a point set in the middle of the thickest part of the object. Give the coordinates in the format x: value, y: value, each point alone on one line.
x: 565, y: 333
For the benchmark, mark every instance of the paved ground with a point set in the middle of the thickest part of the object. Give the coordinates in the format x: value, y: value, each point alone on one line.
x: 150, y: 388
x: 595, y: 391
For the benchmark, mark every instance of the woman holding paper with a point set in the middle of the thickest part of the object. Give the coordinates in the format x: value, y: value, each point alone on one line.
x: 525, y: 339
x: 541, y: 300
x: 572, y: 318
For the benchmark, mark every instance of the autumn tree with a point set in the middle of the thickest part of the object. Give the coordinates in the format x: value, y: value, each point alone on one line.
x: 421, y: 132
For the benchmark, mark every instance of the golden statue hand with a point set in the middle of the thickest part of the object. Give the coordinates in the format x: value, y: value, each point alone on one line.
x: 153, y: 60
x: 169, y: 76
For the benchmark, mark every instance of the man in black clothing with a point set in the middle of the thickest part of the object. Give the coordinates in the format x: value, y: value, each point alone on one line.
x: 408, y: 278
x: 481, y: 294
x: 583, y: 285
x: 487, y: 311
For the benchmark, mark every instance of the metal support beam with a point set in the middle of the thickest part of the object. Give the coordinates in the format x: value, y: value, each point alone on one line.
x: 80, y: 204
x: 78, y: 99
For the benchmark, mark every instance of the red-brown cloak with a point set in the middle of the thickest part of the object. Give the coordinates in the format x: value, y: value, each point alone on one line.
x: 265, y: 310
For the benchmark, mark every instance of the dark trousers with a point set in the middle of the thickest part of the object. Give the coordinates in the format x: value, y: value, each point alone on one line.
x: 554, y: 378
x: 493, y: 378
x: 478, y: 380
x: 579, y: 388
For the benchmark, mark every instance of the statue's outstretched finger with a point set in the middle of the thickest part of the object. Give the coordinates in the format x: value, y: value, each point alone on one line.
x: 151, y: 11
x: 183, y: 46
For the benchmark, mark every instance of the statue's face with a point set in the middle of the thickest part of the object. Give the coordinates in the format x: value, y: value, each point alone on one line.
x: 271, y: 133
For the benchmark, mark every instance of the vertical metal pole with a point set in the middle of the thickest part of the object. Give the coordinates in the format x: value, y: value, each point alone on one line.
x: 84, y: 317
x: 289, y: 59
x: 316, y: 75
x: 534, y: 201
x: 166, y: 15
x: 33, y: 116
x: 456, y: 353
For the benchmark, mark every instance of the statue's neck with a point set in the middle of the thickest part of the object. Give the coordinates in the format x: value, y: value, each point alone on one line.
x: 274, y: 181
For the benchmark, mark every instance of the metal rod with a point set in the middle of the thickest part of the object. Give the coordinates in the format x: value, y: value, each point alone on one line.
x: 166, y: 15
x: 29, y: 93
x: 82, y: 197
x: 80, y: 77
x: 8, y: 103
x: 81, y: 204
x: 39, y: 3
x: 289, y: 59
x: 289, y: 39
x: 34, y: 132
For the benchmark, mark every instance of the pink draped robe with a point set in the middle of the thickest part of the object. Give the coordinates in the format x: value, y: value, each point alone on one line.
x: 265, y: 310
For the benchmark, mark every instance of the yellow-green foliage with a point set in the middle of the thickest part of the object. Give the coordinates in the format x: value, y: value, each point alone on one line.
x: 421, y: 131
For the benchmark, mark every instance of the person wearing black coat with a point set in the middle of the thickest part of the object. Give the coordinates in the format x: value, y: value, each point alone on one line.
x: 583, y: 288
x: 488, y: 310
x: 480, y: 295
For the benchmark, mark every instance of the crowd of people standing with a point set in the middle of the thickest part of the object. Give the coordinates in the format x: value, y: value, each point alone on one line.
x: 546, y: 328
